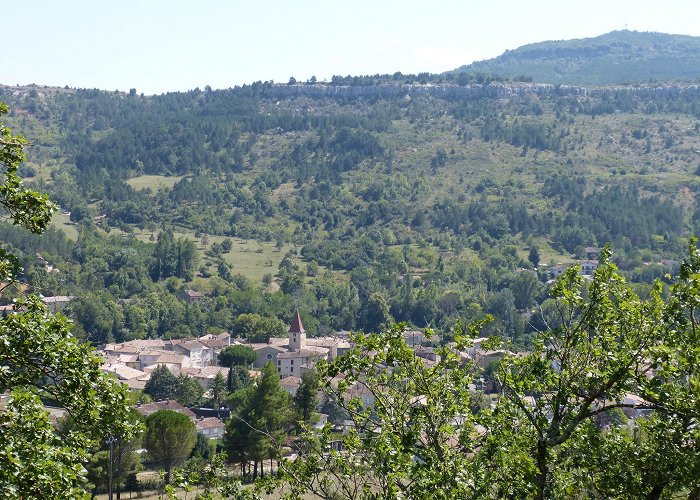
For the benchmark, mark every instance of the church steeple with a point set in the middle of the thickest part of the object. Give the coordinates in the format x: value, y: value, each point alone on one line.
x: 297, y: 334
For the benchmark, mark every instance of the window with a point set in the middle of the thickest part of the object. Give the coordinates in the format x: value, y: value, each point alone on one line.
x: 291, y: 361
x: 291, y: 370
x: 279, y: 362
x: 279, y: 370
x: 269, y: 355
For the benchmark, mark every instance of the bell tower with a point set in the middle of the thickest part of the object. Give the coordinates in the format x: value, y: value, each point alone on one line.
x: 297, y: 334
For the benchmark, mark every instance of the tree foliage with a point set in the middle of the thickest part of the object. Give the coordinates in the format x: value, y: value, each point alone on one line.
x: 257, y: 328
x: 306, y: 398
x: 39, y: 358
x: 239, y: 354
x: 259, y: 421
x: 553, y: 432
x: 169, y: 439
x: 163, y: 385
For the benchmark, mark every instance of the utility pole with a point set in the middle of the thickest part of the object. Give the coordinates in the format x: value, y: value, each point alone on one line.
x: 110, y: 441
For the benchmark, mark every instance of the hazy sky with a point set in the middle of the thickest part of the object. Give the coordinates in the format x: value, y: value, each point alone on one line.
x: 167, y: 45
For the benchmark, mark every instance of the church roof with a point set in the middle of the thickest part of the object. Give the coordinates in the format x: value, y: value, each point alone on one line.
x: 296, y: 326
x: 309, y: 352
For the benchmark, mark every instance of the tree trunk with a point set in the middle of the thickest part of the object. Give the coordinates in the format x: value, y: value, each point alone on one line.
x: 694, y: 493
x: 655, y: 492
x: 543, y: 470
x: 255, y: 471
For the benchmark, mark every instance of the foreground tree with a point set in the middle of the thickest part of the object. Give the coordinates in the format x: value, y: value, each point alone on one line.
x: 169, y: 439
x: 39, y: 358
x: 416, y: 434
x: 585, y: 367
x: 412, y: 433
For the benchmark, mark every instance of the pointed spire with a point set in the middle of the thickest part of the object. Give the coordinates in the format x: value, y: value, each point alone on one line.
x: 296, y: 326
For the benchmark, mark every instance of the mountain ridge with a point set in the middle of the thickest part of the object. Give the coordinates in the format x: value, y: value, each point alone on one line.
x: 618, y: 57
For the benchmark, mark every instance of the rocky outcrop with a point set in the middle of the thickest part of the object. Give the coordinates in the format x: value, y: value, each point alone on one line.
x: 451, y: 91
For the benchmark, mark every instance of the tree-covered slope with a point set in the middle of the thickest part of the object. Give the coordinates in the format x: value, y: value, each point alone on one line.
x: 614, y: 58
x: 428, y: 203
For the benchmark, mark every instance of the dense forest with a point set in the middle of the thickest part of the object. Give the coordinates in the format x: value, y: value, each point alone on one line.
x: 412, y: 206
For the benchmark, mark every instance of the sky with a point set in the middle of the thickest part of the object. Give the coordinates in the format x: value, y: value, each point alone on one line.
x: 159, y: 46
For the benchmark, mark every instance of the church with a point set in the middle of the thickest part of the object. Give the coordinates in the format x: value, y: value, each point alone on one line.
x: 296, y: 353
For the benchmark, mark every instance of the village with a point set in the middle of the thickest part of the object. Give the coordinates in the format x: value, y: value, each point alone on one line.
x: 133, y: 362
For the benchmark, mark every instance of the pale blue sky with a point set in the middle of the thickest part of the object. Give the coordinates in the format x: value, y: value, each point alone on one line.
x: 168, y: 45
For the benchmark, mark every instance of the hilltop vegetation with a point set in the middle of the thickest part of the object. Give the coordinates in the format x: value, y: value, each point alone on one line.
x: 619, y: 57
x: 416, y: 206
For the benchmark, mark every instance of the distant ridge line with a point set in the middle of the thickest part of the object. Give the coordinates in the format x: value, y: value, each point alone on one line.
x: 447, y: 90
x: 494, y: 89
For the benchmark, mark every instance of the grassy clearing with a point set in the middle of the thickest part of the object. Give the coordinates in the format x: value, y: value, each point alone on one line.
x: 251, y: 258
x: 61, y: 221
x: 152, y: 181
x: 254, y: 259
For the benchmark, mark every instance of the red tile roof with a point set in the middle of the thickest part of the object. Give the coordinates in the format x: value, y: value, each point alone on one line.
x: 147, y: 409
x: 296, y: 326
x: 209, y: 423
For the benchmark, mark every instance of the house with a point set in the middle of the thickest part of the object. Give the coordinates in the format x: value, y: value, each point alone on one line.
x: 484, y: 358
x: 322, y: 420
x: 130, y: 360
x: 360, y: 391
x: 7, y: 310
x: 147, y: 409
x: 414, y: 337
x: 123, y: 372
x: 199, y: 354
x: 555, y: 271
x: 133, y: 347
x: 133, y: 378
x: 291, y: 384
x: 205, y: 376
x: 336, y: 346
x: 588, y: 267
x: 476, y: 345
x: 210, y: 427
x: 294, y: 362
x: 57, y: 303
x: 174, y: 362
x: 427, y: 353
x: 591, y: 253
x: 192, y: 296
x: 215, y: 344
x: 640, y: 407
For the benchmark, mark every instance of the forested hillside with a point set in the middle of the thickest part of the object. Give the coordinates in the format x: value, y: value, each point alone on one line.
x: 614, y: 58
x: 357, y: 207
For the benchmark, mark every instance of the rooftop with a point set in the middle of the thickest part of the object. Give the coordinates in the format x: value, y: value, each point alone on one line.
x: 296, y: 325
x: 309, y: 352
